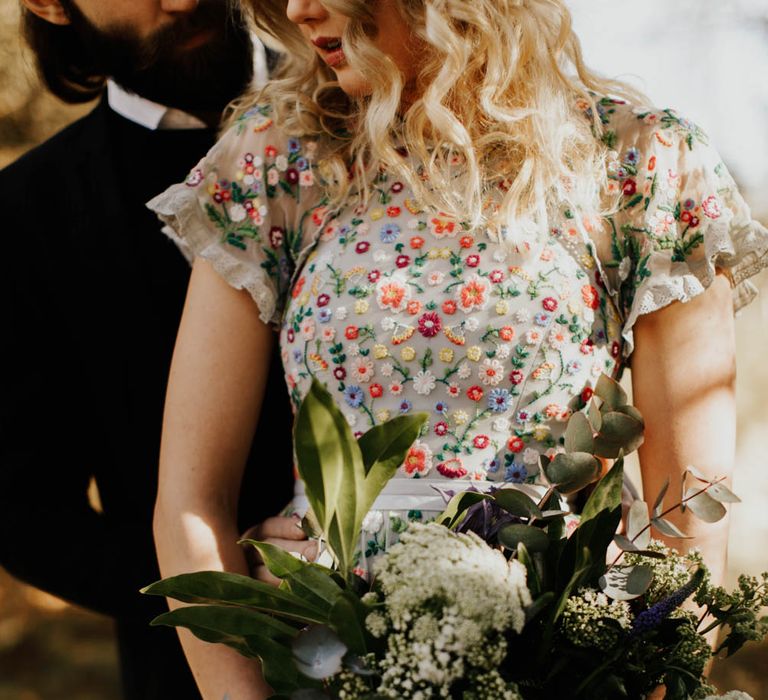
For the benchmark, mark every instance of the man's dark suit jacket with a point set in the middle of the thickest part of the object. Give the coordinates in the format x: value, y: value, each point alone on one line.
x: 90, y: 302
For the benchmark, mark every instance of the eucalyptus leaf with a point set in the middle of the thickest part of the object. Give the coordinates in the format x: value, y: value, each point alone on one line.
x: 610, y: 392
x: 637, y: 524
x: 624, y: 543
x: 513, y: 534
x: 696, y: 474
x: 632, y: 412
x: 572, y: 472
x: 620, y: 428
x: 595, y: 417
x: 516, y: 503
x: 723, y: 494
x: 658, y: 504
x: 704, y: 507
x: 318, y: 652
x: 578, y: 434
x: 626, y: 582
x: 665, y: 527
x: 607, y: 493
x: 606, y: 449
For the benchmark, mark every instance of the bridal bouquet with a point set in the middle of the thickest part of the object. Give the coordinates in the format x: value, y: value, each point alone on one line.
x: 497, y: 598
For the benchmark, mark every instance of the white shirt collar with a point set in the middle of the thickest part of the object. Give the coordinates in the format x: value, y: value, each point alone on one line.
x: 152, y: 115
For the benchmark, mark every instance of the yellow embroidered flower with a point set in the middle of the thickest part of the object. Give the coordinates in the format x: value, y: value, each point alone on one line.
x: 460, y: 417
x: 361, y: 306
x: 502, y: 307
x: 587, y: 260
x: 383, y: 415
x: 377, y: 213
x: 380, y: 351
x: 475, y: 353
x: 446, y: 354
x: 540, y: 433
x: 407, y: 354
x: 304, y: 299
x: 433, y: 253
x: 574, y: 308
x: 445, y: 253
x: 412, y: 206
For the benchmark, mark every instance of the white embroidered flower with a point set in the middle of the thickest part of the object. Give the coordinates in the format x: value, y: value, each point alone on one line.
x: 386, y: 369
x: 501, y: 425
x: 237, y: 212
x: 353, y: 349
x: 381, y: 256
x: 395, y: 388
x: 387, y: 323
x: 530, y: 456
x: 424, y: 382
x: 523, y: 316
x: 341, y: 312
x: 281, y: 163
x: 491, y: 372
x: 532, y: 337
x: 557, y: 338
x: 373, y: 521
x: 471, y: 324
x: 434, y: 278
x: 273, y: 177
x: 624, y: 268
x: 500, y: 255
x: 308, y: 330
x: 464, y: 371
x: 502, y: 352
x: 329, y: 334
x: 351, y: 419
x: 362, y: 369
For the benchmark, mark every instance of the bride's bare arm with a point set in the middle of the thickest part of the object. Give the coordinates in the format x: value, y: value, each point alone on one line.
x: 683, y: 380
x: 215, y: 390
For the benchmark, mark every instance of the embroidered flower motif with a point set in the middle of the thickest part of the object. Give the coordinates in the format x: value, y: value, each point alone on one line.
x: 452, y: 468
x: 418, y: 460
x: 711, y: 207
x: 392, y: 293
x: 353, y: 396
x: 442, y: 226
x: 498, y: 400
x: 424, y: 382
x: 473, y: 294
x: 362, y: 370
x: 491, y: 372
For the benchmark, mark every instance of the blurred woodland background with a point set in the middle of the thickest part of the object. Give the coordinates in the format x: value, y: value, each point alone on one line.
x: 707, y: 59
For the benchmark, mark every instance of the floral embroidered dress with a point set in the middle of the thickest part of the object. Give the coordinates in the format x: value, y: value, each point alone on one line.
x: 398, y: 309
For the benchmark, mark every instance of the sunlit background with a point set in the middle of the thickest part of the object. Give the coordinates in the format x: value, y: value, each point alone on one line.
x: 706, y: 58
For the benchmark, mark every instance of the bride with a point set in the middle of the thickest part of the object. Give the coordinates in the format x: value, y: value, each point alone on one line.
x: 436, y: 207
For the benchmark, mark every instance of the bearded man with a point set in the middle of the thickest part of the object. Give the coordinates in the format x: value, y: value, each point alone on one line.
x: 91, y: 298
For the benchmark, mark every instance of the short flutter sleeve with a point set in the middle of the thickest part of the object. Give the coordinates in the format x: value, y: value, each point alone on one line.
x: 680, y: 218
x: 242, y: 208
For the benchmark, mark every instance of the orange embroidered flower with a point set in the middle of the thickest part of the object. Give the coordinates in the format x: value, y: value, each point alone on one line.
x: 418, y: 460
x: 392, y: 294
x: 590, y: 296
x: 466, y: 241
x: 472, y: 294
x: 506, y: 333
x: 299, y: 286
x: 449, y: 307
x: 417, y: 242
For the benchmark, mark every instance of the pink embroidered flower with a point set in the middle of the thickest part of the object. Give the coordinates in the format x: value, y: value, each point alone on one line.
x: 430, y: 324
x: 418, y: 460
x: 491, y: 372
x: 306, y: 178
x: 516, y: 377
x: 452, y: 468
x: 441, y: 428
x: 329, y: 334
x: 472, y: 260
x: 587, y: 347
x: 552, y: 410
x: 496, y: 276
x: 308, y: 330
x: 481, y: 441
x: 392, y: 294
x: 711, y: 207
x: 590, y: 296
x: 362, y: 369
x: 549, y: 303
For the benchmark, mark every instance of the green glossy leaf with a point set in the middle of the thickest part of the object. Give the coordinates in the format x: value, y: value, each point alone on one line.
x: 572, y: 472
x: 226, y: 587
x: 311, y: 582
x: 637, y: 524
x: 704, y: 506
x: 723, y: 494
x: 669, y: 529
x: 610, y: 392
x: 607, y: 493
x: 626, y: 582
x: 578, y: 434
x: 513, y: 534
x: 517, y: 503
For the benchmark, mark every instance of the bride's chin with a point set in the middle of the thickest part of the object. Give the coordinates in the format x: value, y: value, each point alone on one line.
x: 352, y: 82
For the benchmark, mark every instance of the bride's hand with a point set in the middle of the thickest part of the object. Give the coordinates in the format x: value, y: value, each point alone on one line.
x: 283, y: 532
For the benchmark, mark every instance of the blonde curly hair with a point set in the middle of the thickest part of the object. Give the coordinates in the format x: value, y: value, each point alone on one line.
x: 501, y: 105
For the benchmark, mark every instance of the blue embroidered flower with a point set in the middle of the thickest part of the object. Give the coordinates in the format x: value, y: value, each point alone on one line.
x: 523, y: 416
x: 498, y: 400
x: 298, y: 355
x: 516, y: 473
x: 405, y: 406
x: 492, y: 466
x: 541, y: 319
x: 389, y: 233
x: 294, y: 145
x: 353, y: 396
x: 324, y: 315
x: 302, y: 163
x: 441, y: 407
x: 573, y: 367
x: 632, y: 156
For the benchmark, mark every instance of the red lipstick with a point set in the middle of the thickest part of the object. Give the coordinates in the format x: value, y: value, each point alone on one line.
x: 330, y: 50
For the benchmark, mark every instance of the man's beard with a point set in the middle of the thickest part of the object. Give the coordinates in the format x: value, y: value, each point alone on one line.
x: 204, y: 78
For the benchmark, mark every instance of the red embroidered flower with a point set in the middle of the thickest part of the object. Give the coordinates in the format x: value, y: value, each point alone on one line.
x: 466, y: 241
x: 452, y: 468
x: 615, y: 348
x: 351, y: 332
x: 292, y: 176
x: 275, y: 236
x: 695, y: 221
x: 586, y: 394
x: 472, y: 260
x: 549, y: 303
x: 587, y: 347
x: 393, y: 212
x: 506, y: 333
x: 323, y: 300
x: 362, y: 247
x: 475, y: 393
x: 516, y: 377
x: 270, y: 151
x: 396, y: 187
x: 299, y: 286
x: 590, y: 296
x: 403, y: 261
x: 290, y: 334
x: 481, y: 442
x: 376, y: 390
x: 629, y: 187
x: 373, y: 276
x: 441, y: 428
x: 340, y: 373
x: 430, y: 324
x: 515, y: 444
x: 449, y: 307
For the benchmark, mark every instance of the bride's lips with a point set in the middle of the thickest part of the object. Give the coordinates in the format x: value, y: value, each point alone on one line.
x: 330, y: 50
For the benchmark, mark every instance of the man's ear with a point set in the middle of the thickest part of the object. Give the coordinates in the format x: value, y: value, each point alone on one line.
x: 49, y: 10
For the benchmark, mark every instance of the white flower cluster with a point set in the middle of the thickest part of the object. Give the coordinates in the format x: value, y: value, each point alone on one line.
x: 448, y: 599
x: 732, y: 695
x: 590, y: 619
